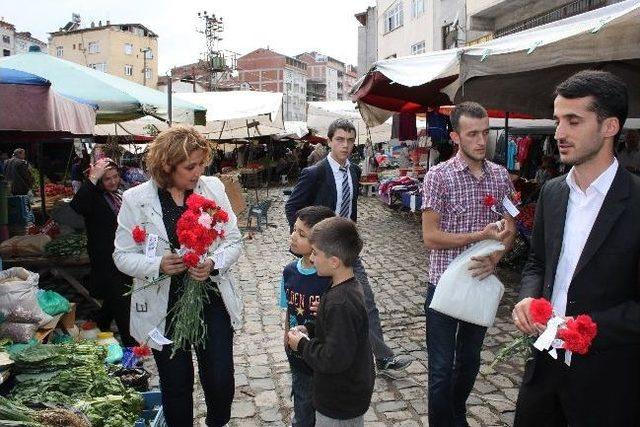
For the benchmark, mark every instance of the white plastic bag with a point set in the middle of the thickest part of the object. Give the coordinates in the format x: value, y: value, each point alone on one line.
x: 18, y: 290
x: 464, y: 297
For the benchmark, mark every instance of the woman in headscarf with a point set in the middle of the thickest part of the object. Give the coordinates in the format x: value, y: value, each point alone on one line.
x: 98, y: 200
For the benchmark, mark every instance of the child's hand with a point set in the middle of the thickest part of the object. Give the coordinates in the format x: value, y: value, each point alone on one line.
x: 294, y: 337
x: 314, y: 307
x: 302, y: 329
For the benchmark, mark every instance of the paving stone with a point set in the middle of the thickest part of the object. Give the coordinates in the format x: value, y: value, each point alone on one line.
x: 391, y: 406
x: 398, y: 415
x: 243, y: 409
x: 267, y: 398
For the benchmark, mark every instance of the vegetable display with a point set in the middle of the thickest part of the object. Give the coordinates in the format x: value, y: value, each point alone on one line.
x: 70, y: 245
x: 73, y: 375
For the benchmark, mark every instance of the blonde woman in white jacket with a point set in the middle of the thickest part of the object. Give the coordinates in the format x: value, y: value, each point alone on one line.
x: 176, y: 160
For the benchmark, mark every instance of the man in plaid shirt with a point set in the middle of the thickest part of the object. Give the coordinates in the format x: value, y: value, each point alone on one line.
x: 455, y: 216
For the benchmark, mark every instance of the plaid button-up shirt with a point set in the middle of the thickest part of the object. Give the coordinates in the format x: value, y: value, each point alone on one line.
x: 452, y: 191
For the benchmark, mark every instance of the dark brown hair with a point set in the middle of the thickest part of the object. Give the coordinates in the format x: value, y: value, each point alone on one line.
x: 337, y: 237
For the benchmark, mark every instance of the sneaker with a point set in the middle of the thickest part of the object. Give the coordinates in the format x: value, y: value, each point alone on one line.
x: 394, y: 363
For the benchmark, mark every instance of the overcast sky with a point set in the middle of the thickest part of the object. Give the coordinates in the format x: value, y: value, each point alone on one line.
x: 286, y: 26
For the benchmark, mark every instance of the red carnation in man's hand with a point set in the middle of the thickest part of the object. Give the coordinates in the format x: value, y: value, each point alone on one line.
x: 540, y: 310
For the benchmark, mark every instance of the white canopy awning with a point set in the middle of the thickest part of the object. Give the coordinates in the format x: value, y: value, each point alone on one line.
x: 224, y: 106
x: 321, y: 114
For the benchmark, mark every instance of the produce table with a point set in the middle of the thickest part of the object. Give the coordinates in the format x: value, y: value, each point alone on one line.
x: 67, y: 269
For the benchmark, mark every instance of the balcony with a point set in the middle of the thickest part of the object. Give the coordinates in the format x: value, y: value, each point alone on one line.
x: 483, y: 14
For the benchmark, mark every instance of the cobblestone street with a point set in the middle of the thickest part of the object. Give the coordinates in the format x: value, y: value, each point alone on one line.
x: 396, y: 262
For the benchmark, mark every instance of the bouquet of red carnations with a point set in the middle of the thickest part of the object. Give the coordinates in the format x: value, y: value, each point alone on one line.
x: 197, y: 229
x: 574, y: 335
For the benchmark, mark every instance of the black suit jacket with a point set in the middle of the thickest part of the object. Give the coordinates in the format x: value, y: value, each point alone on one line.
x: 316, y: 187
x: 606, y: 282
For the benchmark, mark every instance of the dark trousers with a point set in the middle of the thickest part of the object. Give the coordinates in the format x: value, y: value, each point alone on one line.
x: 453, y: 351
x: 304, y: 414
x: 116, y: 306
x: 601, y: 389
x: 380, y: 349
x: 215, y: 368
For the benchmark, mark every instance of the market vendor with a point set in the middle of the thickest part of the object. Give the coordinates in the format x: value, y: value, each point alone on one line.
x: 98, y: 200
x: 176, y: 160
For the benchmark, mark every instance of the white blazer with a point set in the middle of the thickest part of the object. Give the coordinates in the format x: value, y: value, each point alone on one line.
x: 141, y: 206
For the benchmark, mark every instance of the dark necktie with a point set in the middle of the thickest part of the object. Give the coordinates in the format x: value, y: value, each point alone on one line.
x: 345, y: 204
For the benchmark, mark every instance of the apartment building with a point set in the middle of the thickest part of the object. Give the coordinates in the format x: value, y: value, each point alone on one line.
x: 13, y: 42
x: 270, y: 71
x: 129, y: 51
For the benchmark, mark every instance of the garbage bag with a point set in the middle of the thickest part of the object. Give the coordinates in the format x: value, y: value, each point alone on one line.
x: 18, y: 288
x: 467, y: 298
x: 53, y: 303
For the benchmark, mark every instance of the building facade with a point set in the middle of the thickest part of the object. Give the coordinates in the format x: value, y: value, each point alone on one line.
x: 25, y: 41
x: 13, y: 43
x: 350, y: 78
x: 7, y: 38
x: 129, y: 51
x: 497, y: 18
x: 269, y: 71
x: 412, y: 27
x: 325, y: 77
x: 367, y: 39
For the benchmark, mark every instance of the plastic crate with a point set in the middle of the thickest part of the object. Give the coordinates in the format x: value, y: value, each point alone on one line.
x: 152, y: 414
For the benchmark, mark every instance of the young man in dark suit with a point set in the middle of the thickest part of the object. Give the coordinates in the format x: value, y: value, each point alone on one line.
x: 585, y: 259
x: 334, y: 182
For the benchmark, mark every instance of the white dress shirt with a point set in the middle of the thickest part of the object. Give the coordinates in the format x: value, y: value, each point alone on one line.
x: 337, y: 176
x: 582, y: 211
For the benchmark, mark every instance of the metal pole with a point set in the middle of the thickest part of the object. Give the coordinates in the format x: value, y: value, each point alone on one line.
x: 506, y: 137
x: 169, y: 106
x: 144, y: 67
x: 42, y: 195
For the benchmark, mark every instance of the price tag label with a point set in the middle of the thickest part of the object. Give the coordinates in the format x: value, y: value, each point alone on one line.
x: 150, y: 249
x: 510, y: 207
x: 157, y: 337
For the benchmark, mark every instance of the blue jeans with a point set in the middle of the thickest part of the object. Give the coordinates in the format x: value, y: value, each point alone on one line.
x: 304, y: 414
x: 453, y: 350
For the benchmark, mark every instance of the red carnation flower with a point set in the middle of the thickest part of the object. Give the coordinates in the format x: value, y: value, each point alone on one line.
x: 221, y: 216
x: 191, y: 259
x: 196, y: 203
x: 517, y: 198
x: 540, y: 310
x: 489, y: 200
x: 139, y: 234
x: 141, y: 351
x: 578, y: 334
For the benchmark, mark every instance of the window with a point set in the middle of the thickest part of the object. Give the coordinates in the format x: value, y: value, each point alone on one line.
x: 418, y: 48
x: 128, y: 70
x: 417, y: 8
x: 6, y: 52
x: 148, y: 54
x: 94, y: 47
x: 147, y: 73
x: 100, y: 67
x: 128, y: 48
x: 74, y: 46
x: 6, y: 39
x: 393, y: 17
x: 59, y: 51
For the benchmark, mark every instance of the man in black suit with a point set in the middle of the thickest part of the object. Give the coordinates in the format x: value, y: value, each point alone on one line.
x: 333, y: 182
x: 585, y: 258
